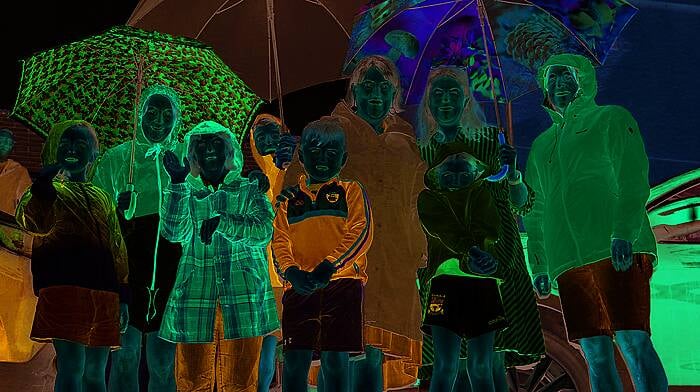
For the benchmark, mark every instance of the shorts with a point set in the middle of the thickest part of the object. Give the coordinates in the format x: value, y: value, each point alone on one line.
x: 80, y: 315
x: 596, y: 300
x: 330, y: 319
x: 469, y: 307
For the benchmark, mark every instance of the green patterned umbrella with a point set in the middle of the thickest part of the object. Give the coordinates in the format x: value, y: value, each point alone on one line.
x: 99, y: 80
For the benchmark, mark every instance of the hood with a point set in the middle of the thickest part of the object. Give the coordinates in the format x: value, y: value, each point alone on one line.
x: 443, y: 152
x: 48, y: 152
x: 585, y: 73
x: 159, y: 89
x: 234, y: 160
x: 259, y: 159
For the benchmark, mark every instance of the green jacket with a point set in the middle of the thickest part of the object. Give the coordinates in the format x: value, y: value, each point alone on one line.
x: 589, y: 171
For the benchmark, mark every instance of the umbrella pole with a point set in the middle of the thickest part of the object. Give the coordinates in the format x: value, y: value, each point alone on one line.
x: 273, y: 37
x: 482, y: 16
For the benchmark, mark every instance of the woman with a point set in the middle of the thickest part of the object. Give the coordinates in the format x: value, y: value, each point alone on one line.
x: 449, y: 113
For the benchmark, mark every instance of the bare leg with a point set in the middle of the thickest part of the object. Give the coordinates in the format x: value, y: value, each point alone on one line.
x: 266, y: 368
x: 479, y: 362
x: 160, y: 357
x: 70, y: 365
x: 642, y: 361
x: 600, y: 357
x: 94, y: 377
x: 124, y: 371
x: 500, y: 382
x: 296, y: 370
x: 446, y: 344
x: 335, y: 367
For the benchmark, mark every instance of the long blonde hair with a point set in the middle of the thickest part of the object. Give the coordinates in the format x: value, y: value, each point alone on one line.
x: 387, y: 69
x: 472, y: 115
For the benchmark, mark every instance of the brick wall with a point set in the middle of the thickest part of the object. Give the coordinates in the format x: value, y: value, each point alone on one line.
x: 27, y: 150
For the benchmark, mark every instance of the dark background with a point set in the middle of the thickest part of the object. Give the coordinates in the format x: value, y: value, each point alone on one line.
x: 653, y: 71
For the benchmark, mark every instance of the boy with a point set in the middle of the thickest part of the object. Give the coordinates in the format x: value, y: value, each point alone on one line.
x: 322, y: 234
x: 222, y: 304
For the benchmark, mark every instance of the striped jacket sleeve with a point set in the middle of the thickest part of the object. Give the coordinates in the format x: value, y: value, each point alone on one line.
x: 253, y: 227
x: 359, y: 229
x: 175, y: 213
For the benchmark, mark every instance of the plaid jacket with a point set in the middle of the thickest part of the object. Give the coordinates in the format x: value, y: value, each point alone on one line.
x: 232, y: 271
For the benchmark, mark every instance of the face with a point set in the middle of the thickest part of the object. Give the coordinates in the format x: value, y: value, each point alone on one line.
x: 158, y: 120
x: 374, y: 95
x: 561, y: 86
x: 457, y: 172
x: 323, y: 162
x: 210, y: 152
x: 447, y: 101
x: 6, y: 144
x: 75, y: 149
x: 266, y: 138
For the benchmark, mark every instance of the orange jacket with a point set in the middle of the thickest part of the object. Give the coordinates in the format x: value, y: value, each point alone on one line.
x: 332, y: 222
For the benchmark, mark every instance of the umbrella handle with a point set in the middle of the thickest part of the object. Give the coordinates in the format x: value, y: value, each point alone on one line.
x: 129, y: 213
x: 504, y: 169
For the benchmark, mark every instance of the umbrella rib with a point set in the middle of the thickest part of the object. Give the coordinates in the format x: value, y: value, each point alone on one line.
x: 221, y: 11
x: 495, y: 54
x: 212, y: 17
x: 335, y: 18
x: 425, y: 47
x: 389, y: 20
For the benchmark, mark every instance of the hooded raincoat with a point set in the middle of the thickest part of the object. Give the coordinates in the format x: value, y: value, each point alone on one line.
x: 233, y: 270
x: 79, y: 253
x: 590, y: 173
x: 17, y: 301
x: 141, y: 232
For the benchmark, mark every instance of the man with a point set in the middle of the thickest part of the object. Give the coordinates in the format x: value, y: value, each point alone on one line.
x: 588, y: 231
x: 17, y: 301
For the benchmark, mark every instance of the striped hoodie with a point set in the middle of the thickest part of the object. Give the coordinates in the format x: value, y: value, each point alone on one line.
x: 331, y: 221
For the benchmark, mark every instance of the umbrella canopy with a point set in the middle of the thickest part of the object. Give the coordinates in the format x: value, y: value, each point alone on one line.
x: 99, y: 79
x: 499, y: 41
x: 276, y: 46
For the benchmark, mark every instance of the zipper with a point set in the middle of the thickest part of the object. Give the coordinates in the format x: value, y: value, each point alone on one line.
x: 556, y: 140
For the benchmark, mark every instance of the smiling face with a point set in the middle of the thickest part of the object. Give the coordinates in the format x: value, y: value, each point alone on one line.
x: 76, y: 150
x: 561, y: 86
x: 210, y: 153
x: 267, y: 138
x: 323, y: 161
x: 447, y: 101
x: 374, y: 95
x: 158, y: 118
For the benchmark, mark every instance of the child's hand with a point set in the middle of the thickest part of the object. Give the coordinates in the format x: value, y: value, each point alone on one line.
x: 301, y: 280
x: 285, y: 151
x: 176, y: 171
x: 480, y: 262
x: 47, y: 173
x: 123, y: 317
x: 286, y: 194
x: 263, y: 182
x: 321, y: 275
x: 542, y: 286
x: 208, y: 228
x: 43, y: 183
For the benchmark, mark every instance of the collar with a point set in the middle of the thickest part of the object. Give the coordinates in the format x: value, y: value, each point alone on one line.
x: 313, y: 189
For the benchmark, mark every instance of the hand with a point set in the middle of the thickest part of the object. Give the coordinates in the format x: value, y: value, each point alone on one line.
x: 285, y: 151
x: 208, y: 228
x: 263, y: 182
x: 123, y: 317
x: 321, y: 275
x: 123, y: 201
x: 621, y: 251
x: 480, y: 262
x: 176, y: 171
x: 286, y: 194
x: 47, y: 173
x: 507, y: 155
x: 300, y: 280
x: 542, y: 286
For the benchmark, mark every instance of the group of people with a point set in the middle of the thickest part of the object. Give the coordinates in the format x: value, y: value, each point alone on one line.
x: 373, y: 252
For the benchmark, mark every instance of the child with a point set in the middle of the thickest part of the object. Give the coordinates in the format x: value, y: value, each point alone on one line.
x: 272, y: 148
x: 79, y: 261
x: 322, y: 234
x: 222, y: 304
x: 460, y: 220
x: 149, y: 254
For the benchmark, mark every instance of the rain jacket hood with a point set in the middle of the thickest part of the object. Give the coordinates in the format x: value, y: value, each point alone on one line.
x: 589, y: 170
x: 234, y: 155
x: 585, y: 76
x: 48, y: 152
x: 171, y: 139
